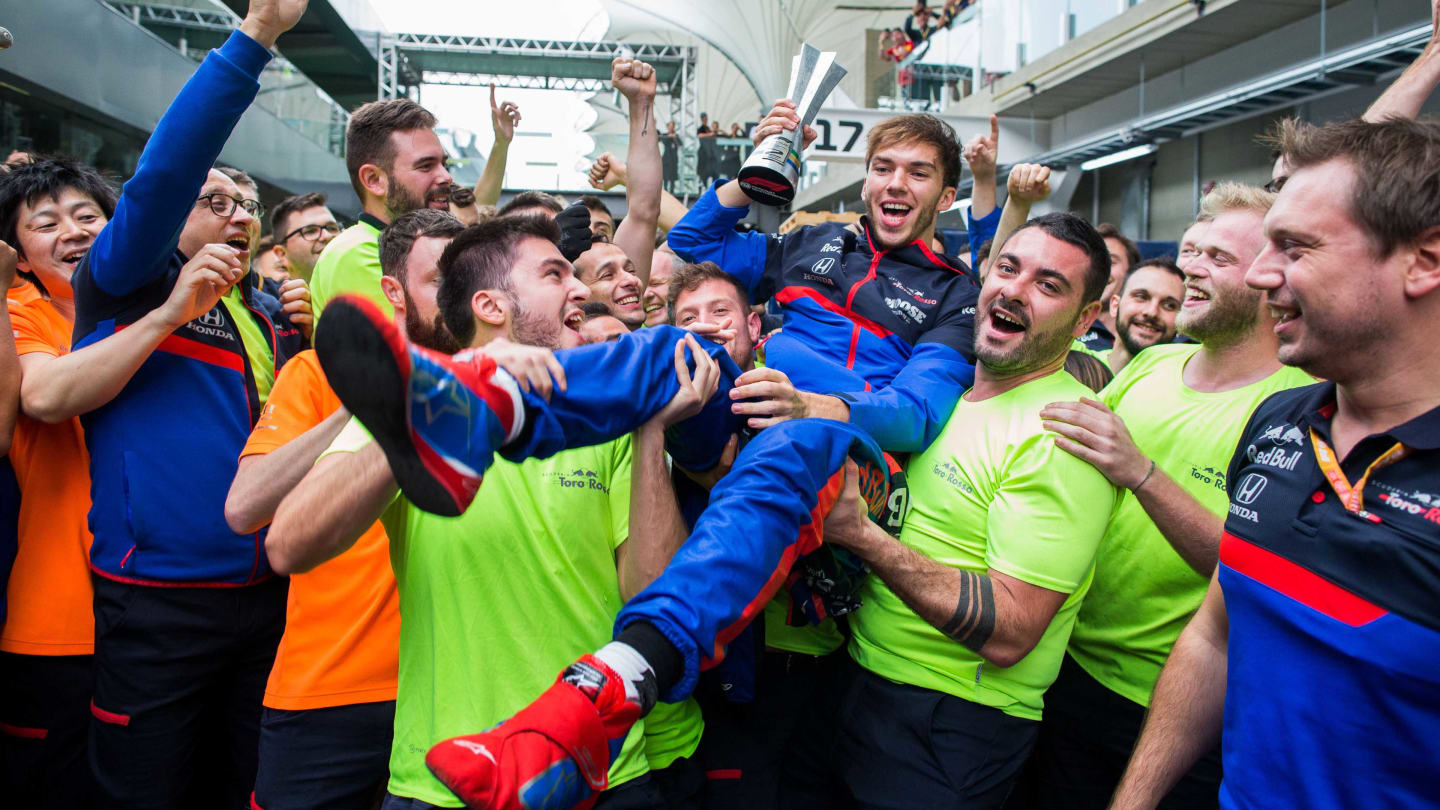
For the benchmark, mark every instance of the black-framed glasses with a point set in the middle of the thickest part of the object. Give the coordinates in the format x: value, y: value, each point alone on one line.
x: 223, y: 205
x: 311, y: 233
x: 1276, y: 184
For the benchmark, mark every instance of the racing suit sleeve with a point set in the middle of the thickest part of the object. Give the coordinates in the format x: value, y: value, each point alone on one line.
x: 906, y: 415
x: 135, y: 245
x: 981, y: 231
x: 707, y: 234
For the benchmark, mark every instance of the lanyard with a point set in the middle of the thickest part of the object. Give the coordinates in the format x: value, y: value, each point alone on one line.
x: 1351, y: 497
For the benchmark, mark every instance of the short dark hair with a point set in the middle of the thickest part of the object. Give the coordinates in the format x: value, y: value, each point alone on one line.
x: 240, y: 176
x: 596, y: 205
x: 531, y: 199
x: 595, y: 309
x: 1077, y: 231
x: 689, y: 277
x: 481, y: 258
x: 1395, y: 198
x: 294, y: 204
x: 920, y: 127
x: 367, y: 137
x: 1161, y: 262
x: 984, y: 252
x: 26, y: 183
x: 1108, y: 230
x: 399, y: 237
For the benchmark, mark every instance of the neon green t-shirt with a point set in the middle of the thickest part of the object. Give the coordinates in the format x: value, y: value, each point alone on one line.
x: 257, y: 348
x: 497, y: 601
x: 1144, y: 593
x: 350, y: 264
x: 993, y: 491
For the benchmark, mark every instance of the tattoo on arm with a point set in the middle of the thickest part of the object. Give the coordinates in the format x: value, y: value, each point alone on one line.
x: 974, y: 618
x: 645, y: 118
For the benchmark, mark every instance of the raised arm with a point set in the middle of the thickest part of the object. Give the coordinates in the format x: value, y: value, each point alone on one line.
x: 1028, y: 184
x: 608, y: 171
x: 707, y: 233
x: 132, y: 249
x: 503, y: 117
x: 981, y: 155
x: 636, y: 235
x: 54, y: 389
x: 330, y: 508
x: 656, y: 527
x: 1407, y: 94
x: 1186, y: 709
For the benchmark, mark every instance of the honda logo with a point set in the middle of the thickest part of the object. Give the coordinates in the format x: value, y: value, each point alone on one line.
x: 823, y: 266
x: 1250, y: 488
x: 213, y: 318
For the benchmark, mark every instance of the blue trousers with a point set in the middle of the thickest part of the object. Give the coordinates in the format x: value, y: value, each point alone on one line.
x: 764, y: 515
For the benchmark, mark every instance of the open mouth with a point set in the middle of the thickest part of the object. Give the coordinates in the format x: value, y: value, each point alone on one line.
x: 72, y: 258
x: 894, y: 214
x: 652, y: 304
x: 240, y: 243
x: 1146, y: 329
x: 1283, y: 314
x: 1195, y: 295
x: 1006, y: 323
x: 628, y: 301
x: 573, y: 320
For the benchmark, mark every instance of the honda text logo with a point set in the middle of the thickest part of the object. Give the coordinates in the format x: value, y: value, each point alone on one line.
x: 823, y: 266
x: 1250, y: 488
x: 213, y: 318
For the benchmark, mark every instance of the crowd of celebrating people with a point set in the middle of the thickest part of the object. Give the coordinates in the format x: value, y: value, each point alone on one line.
x: 314, y: 520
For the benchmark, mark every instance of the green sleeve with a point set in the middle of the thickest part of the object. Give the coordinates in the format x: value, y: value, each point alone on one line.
x: 1048, y: 516
x: 356, y: 271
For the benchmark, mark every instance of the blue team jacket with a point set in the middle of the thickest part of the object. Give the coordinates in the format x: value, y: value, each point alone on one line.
x: 891, y: 331
x: 164, y: 452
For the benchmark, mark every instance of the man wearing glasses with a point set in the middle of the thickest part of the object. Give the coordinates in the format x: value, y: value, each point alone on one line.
x: 187, y: 612
x: 302, y: 225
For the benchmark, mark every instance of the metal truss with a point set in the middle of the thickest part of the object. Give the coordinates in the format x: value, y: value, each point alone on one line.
x: 523, y: 82
x: 513, y: 46
x: 149, y: 14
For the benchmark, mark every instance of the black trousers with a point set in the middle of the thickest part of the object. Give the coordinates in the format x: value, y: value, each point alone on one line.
x: 745, y: 743
x: 44, y: 720
x: 332, y: 758
x: 179, y: 676
x: 880, y: 744
x: 1085, y: 742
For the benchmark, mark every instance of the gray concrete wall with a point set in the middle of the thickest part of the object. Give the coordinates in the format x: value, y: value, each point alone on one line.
x: 83, y: 56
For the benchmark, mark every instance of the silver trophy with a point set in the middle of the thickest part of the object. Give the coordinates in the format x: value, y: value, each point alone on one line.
x: 772, y: 171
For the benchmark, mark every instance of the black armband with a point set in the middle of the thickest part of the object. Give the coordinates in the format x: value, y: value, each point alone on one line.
x: 974, y: 618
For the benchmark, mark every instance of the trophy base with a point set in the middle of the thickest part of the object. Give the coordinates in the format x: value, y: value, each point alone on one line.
x: 766, y: 186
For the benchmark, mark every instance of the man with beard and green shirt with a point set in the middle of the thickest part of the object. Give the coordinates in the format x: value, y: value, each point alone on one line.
x: 396, y: 165
x: 1164, y: 430
x: 539, y: 564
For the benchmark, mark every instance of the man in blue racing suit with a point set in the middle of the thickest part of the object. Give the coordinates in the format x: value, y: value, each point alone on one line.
x: 875, y: 351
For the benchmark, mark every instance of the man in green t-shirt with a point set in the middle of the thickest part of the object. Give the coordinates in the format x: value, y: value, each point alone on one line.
x: 396, y: 165
x: 967, y: 613
x: 1164, y: 429
x: 537, y: 568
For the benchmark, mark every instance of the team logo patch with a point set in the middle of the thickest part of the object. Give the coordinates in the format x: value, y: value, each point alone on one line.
x: 823, y: 266
x: 579, y: 478
x: 1250, y: 488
